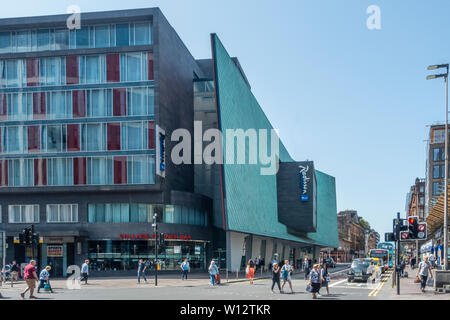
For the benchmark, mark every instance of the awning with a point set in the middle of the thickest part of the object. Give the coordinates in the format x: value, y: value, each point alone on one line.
x: 435, y: 218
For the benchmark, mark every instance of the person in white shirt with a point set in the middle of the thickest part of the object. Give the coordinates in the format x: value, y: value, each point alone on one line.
x: 185, y: 268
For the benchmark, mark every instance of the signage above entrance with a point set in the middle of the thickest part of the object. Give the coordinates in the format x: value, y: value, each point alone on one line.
x: 147, y: 236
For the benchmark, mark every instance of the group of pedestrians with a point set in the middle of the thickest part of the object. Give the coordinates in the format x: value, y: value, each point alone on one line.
x: 30, y: 277
x: 284, y: 272
x: 319, y: 277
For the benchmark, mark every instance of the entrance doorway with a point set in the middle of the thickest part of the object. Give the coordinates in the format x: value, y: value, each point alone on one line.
x: 57, y: 266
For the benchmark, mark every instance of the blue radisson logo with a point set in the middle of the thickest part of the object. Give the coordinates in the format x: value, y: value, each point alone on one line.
x: 162, y: 165
x: 304, y: 179
x: 160, y: 152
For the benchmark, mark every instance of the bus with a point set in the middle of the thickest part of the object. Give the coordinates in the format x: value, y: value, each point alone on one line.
x: 390, y: 247
x: 381, y: 254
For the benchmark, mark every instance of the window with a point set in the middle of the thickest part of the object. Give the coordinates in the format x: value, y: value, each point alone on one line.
x: 93, y: 137
x: 13, y: 73
x: 133, y: 136
x: 21, y: 172
x: 59, y: 171
x: 122, y: 34
x: 437, y: 188
x: 422, y: 189
x: 62, y: 213
x: 436, y: 172
x: 5, y: 42
x: 140, y: 101
x: 14, y: 140
x: 436, y: 152
x: 23, y: 41
x: 43, y: 39
x: 53, y: 71
x: 133, y: 66
x: 184, y: 215
x: 20, y: 106
x: 62, y: 39
x: 55, y: 138
x: 100, y: 170
x: 99, y: 103
x: 59, y: 105
x: 82, y: 37
x: 422, y: 199
x: 142, y: 34
x: 442, y: 171
x: 140, y: 170
x: 92, y: 69
x: 23, y: 213
x: 101, y: 36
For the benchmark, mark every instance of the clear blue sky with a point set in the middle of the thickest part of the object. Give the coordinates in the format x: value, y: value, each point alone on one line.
x: 353, y: 100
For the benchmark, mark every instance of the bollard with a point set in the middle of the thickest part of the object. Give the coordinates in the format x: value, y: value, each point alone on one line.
x: 227, y: 275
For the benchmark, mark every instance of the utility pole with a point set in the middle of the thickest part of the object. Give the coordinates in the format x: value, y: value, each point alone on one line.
x: 155, y: 232
x: 398, y: 255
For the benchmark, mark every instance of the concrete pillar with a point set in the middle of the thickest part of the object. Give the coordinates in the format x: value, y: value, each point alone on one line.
x: 256, y: 247
x: 235, y: 242
x: 65, y: 259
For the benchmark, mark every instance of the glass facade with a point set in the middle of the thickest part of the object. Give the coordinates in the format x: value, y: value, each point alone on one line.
x: 120, y: 255
x: 23, y: 213
x: 71, y: 70
x: 98, y: 36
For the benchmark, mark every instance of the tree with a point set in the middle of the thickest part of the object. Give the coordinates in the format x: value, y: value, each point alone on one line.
x: 363, y: 223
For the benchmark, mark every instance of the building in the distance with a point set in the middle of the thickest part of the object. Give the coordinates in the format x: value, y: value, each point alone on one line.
x: 415, y: 200
x: 89, y: 123
x: 355, y: 238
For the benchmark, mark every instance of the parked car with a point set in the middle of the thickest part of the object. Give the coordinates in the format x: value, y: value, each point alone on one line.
x: 362, y: 270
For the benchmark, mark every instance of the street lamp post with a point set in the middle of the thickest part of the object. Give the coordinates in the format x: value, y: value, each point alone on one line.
x: 445, y: 76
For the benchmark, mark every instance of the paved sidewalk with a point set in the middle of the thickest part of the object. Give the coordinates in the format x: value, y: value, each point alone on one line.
x: 410, y: 290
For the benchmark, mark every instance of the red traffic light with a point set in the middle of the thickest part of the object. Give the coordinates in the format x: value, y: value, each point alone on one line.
x: 412, y: 220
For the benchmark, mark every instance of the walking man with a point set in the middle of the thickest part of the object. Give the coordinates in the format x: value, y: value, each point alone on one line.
x: 424, y: 269
x: 185, y: 268
x: 85, y: 271
x: 141, y: 271
x: 306, y: 268
x: 30, y: 277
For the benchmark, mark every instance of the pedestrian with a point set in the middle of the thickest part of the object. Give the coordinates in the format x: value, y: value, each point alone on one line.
x: 424, y: 269
x: 413, y: 262
x: 43, y: 279
x: 315, y: 280
x: 250, y: 270
x: 30, y: 277
x: 402, y: 267
x: 185, y: 268
x: 14, y: 271
x: 213, y: 272
x: 432, y: 261
x: 256, y: 263
x: 276, y: 277
x: 85, y: 271
x: 286, y: 272
x: 325, y: 277
x: 306, y: 268
x: 141, y: 271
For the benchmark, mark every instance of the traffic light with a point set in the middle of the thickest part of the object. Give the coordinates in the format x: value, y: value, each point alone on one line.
x: 22, y: 237
x: 35, y: 238
x: 413, y: 227
x: 389, y: 237
x: 161, y: 238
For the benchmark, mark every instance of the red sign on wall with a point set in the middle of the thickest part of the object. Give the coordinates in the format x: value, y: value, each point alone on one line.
x: 146, y: 236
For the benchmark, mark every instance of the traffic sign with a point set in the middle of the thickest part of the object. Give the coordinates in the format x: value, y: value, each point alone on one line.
x: 404, y: 235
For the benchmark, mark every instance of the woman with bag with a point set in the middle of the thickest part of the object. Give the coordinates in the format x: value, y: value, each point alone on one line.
x: 276, y: 277
x: 424, y: 269
x: 325, y: 277
x: 286, y: 272
x: 250, y: 270
x: 213, y: 272
x: 43, y: 280
x: 314, y: 281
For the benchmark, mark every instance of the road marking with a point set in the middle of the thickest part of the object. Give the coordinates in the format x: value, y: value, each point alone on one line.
x: 384, y: 279
x: 336, y: 283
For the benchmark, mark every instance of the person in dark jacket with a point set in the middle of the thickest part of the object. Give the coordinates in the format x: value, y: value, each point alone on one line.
x: 276, y: 276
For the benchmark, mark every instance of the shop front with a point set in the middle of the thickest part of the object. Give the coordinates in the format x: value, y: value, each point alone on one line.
x: 124, y: 254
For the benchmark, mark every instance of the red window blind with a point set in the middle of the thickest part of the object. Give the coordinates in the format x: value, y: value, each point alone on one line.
x: 151, y: 72
x: 4, y: 173
x: 72, y: 74
x: 73, y: 137
x: 79, y: 103
x: 38, y: 105
x: 113, y: 131
x: 40, y: 172
x: 119, y: 102
x: 79, y: 171
x: 32, y: 72
x: 112, y: 67
x: 120, y: 170
x: 34, y: 139
x: 151, y: 134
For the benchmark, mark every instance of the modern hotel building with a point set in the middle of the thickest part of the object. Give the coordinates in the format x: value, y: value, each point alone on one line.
x: 81, y: 149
